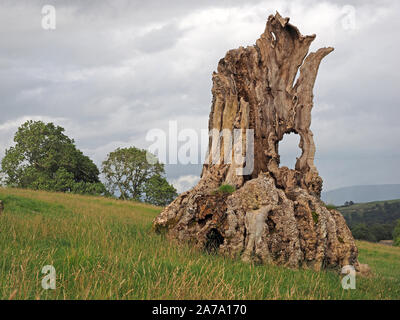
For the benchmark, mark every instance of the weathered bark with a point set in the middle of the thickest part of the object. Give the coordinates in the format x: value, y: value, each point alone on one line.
x: 275, y: 214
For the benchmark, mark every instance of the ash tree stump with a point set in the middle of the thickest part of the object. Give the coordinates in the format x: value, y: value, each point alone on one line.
x: 275, y: 214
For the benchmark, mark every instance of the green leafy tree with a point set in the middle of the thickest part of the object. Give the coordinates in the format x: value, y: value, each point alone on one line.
x: 362, y: 232
x: 45, y: 158
x: 396, y: 234
x: 158, y: 191
x: 136, y: 174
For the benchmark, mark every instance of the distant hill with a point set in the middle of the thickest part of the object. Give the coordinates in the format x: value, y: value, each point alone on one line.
x: 372, y: 221
x: 381, y: 212
x: 360, y: 194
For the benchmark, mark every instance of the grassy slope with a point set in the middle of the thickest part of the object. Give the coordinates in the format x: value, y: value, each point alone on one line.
x: 375, y: 212
x: 366, y: 205
x: 104, y: 249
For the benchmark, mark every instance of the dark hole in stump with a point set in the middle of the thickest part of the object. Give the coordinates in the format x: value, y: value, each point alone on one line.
x: 213, y: 241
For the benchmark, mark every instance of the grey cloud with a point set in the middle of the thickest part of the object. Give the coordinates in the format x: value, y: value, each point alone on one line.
x: 159, y: 39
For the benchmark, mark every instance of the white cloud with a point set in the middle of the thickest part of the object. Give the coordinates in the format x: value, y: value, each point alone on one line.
x: 185, y: 183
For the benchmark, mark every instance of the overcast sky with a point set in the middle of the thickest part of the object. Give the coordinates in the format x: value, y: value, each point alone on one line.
x: 112, y: 70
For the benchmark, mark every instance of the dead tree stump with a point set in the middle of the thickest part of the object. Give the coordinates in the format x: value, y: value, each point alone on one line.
x: 275, y: 214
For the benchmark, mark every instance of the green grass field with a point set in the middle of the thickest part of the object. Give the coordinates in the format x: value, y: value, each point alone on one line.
x: 105, y: 249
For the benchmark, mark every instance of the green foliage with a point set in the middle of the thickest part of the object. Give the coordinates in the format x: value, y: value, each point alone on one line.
x: 374, y: 232
x: 374, y: 221
x: 158, y: 191
x: 44, y: 158
x: 361, y: 232
x: 135, y: 174
x: 396, y: 234
x: 88, y: 188
x: 226, y: 189
x: 382, y: 212
x: 315, y: 217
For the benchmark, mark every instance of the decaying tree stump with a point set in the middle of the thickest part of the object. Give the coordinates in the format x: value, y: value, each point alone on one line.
x: 275, y: 215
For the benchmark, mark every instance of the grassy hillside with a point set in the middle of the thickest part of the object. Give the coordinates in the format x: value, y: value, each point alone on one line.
x: 373, y: 221
x: 105, y: 249
x: 382, y: 212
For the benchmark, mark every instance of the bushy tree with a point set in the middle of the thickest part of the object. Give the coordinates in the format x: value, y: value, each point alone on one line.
x: 372, y: 232
x: 45, y: 158
x: 158, y: 191
x: 362, y: 232
x: 129, y: 174
x: 396, y: 234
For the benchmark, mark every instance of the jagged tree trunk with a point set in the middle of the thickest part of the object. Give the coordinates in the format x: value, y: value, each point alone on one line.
x: 275, y: 214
